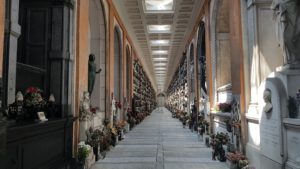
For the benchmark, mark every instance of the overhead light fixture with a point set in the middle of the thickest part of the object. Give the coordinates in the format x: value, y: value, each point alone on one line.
x: 163, y: 6
x: 160, y: 42
x: 159, y: 52
x: 159, y: 28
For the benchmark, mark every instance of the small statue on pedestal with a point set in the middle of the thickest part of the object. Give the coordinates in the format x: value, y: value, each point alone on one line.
x: 287, y: 26
x: 113, y: 109
x: 15, y: 110
x: 85, y: 112
x: 52, y: 110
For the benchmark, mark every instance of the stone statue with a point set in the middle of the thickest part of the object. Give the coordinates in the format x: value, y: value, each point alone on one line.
x: 85, y: 112
x: 92, y: 73
x: 287, y: 16
x: 15, y: 110
x: 267, y: 98
x: 52, y: 109
x: 113, y: 109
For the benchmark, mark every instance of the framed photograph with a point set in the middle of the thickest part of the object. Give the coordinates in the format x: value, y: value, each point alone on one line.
x: 42, y: 116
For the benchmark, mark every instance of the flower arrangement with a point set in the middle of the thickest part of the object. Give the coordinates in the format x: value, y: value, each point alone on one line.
x: 83, y: 152
x: 94, y: 109
x: 120, y: 124
x: 94, y: 137
x: 118, y: 105
x: 217, y: 142
x: 237, y: 159
x: 203, y: 125
x: 113, y: 131
x: 33, y: 97
x: 292, y: 107
x: 224, y: 107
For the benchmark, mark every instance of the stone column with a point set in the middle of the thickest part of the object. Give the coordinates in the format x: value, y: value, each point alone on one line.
x: 61, y: 54
x: 12, y: 33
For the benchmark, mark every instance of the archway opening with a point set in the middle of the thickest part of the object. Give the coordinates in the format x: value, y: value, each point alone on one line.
x: 97, y: 47
x: 117, y: 65
x: 222, y: 53
x: 201, y: 55
x: 128, y: 68
x: 192, y: 76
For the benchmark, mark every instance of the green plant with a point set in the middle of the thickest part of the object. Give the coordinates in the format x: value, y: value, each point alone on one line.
x: 292, y: 107
x: 94, y: 137
x: 83, y: 152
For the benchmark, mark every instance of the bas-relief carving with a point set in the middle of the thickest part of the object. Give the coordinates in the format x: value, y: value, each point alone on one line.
x: 287, y: 17
x: 268, y: 101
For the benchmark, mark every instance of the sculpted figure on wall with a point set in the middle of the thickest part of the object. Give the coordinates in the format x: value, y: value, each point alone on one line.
x: 287, y: 17
x: 92, y: 73
x: 267, y: 98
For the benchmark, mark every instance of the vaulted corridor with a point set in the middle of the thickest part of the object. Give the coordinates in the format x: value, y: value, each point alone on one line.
x: 160, y: 142
x: 80, y: 79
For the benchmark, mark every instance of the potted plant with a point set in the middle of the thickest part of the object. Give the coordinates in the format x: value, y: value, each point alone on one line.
x: 82, y: 154
x: 236, y: 160
x: 114, y: 136
x: 224, y: 107
x: 292, y: 107
x: 33, y: 103
x: 217, y: 142
x: 93, y: 139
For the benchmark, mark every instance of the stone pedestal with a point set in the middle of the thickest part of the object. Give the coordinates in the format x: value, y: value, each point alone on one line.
x: 98, y: 120
x: 292, y: 141
x: 280, y: 135
x: 271, y: 143
x: 90, y: 160
x: 84, y: 126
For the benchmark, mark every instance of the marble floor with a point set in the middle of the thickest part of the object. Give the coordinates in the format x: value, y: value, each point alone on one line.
x: 160, y: 142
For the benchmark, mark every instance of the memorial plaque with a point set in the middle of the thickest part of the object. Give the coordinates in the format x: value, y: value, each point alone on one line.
x: 271, y: 124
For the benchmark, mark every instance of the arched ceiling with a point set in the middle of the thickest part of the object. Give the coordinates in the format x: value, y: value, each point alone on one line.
x: 159, y: 30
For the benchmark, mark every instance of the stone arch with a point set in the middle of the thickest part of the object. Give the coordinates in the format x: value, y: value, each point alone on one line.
x: 221, y: 64
x: 98, y: 48
x: 117, y: 63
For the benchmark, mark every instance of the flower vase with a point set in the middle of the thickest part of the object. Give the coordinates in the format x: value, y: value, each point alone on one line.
x: 30, y: 113
x: 96, y: 151
x: 80, y: 165
x: 122, y: 134
x: 232, y: 165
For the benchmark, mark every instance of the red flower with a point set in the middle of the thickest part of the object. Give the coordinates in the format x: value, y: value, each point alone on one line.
x: 118, y: 105
x: 33, y: 90
x: 94, y: 109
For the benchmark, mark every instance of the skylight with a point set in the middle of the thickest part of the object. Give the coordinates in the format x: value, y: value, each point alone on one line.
x: 159, y: 42
x: 159, y: 28
x: 159, y: 52
x: 160, y: 64
x: 160, y: 59
x: 160, y: 68
x: 163, y: 6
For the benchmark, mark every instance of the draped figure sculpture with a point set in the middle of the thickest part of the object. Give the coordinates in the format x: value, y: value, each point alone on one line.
x: 92, y: 73
x: 286, y: 15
